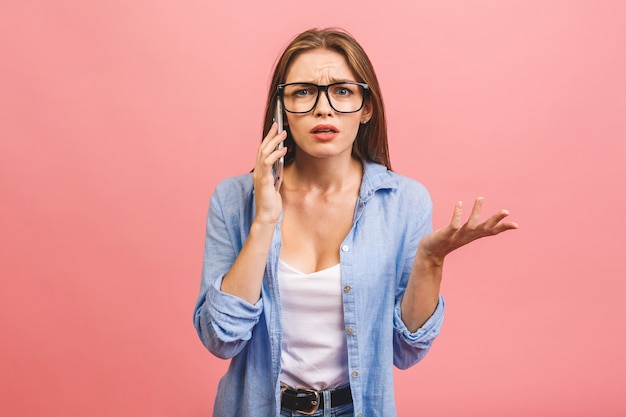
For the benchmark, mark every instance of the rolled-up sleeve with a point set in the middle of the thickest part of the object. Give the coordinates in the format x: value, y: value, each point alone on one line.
x: 223, y: 321
x: 411, y: 347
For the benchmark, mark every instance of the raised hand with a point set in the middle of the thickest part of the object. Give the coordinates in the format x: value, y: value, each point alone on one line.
x: 422, y: 293
x: 440, y: 243
x: 268, y: 201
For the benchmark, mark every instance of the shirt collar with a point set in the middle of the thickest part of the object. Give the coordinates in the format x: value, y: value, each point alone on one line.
x: 375, y: 177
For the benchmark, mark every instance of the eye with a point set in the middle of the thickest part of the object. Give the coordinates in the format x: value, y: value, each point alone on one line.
x: 342, y: 91
x: 303, y: 91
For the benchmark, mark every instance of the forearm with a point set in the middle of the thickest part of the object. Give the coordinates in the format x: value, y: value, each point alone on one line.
x: 422, y: 292
x: 245, y: 277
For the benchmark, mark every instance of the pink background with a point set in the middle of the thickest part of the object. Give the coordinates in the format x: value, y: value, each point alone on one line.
x: 118, y: 118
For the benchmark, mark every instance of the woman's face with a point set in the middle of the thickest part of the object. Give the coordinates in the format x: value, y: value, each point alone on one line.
x: 323, y: 132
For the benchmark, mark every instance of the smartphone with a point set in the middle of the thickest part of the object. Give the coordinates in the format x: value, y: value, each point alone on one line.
x: 278, y: 165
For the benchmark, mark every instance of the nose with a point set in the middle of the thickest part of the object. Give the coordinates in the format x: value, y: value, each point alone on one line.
x: 322, y: 107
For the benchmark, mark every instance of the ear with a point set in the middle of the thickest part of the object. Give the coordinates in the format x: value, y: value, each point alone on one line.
x: 368, y: 110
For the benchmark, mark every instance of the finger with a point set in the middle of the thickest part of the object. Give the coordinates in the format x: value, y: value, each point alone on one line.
x: 270, y: 143
x: 275, y: 155
x: 272, y: 132
x: 267, y: 153
x: 474, y: 218
x: 504, y: 226
x: 267, y: 142
x: 271, y: 139
x: 495, y: 219
x: 457, y: 214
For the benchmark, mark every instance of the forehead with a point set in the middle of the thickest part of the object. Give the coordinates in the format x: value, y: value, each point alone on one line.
x: 319, y: 66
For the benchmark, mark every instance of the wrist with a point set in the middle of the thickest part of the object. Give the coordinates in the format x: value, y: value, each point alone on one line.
x: 428, y: 260
x: 262, y: 226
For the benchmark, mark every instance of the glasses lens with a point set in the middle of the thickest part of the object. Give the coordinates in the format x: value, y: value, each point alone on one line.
x: 300, y: 98
x: 344, y: 97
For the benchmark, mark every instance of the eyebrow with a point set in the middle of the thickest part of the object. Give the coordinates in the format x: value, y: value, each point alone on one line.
x: 330, y: 81
x: 337, y: 80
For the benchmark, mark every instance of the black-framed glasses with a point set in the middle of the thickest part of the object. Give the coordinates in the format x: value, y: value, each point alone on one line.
x: 344, y: 97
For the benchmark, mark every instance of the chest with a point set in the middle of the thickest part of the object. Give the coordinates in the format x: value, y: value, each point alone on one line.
x: 313, y: 229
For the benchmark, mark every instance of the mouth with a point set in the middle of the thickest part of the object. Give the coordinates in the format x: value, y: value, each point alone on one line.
x: 324, y: 129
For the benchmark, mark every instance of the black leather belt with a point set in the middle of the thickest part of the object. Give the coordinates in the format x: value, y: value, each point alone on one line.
x: 308, y: 401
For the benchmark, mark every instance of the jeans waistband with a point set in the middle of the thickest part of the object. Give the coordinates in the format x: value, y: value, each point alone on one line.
x: 308, y: 401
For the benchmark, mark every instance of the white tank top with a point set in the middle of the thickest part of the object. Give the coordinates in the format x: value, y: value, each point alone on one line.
x: 314, y: 349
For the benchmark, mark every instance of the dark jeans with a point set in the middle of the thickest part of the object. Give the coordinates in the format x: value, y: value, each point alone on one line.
x: 346, y: 410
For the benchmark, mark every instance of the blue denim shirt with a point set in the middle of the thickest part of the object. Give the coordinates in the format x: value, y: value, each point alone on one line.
x: 392, y: 214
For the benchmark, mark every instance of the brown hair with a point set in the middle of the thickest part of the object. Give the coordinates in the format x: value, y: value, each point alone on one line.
x: 371, y: 140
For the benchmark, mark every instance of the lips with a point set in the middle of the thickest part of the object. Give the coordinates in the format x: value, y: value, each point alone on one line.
x: 324, y: 129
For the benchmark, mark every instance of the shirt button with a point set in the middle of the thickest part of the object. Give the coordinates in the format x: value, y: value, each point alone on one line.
x: 347, y: 288
x: 345, y: 248
x: 359, y: 415
x: 350, y: 330
x: 355, y: 373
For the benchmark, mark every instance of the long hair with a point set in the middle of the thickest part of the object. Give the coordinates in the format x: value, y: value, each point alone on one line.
x: 371, y: 140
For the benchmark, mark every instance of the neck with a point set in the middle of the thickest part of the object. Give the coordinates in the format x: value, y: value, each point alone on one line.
x: 332, y: 174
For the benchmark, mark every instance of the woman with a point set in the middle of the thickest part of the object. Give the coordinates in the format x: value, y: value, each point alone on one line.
x: 314, y: 291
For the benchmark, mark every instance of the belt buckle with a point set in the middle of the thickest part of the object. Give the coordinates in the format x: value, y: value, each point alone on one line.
x: 315, y: 403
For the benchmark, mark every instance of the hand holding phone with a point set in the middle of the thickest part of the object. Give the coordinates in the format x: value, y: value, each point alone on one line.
x: 278, y: 165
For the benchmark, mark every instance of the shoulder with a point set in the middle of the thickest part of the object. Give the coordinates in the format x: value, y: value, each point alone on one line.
x: 234, y: 188
x: 400, y: 203
x: 377, y: 179
x: 233, y: 195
